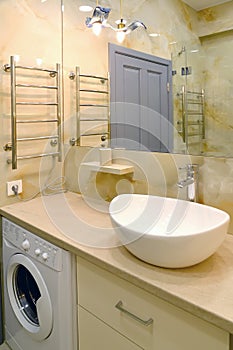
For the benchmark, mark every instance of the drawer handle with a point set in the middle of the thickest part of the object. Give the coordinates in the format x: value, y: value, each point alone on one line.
x: 120, y: 307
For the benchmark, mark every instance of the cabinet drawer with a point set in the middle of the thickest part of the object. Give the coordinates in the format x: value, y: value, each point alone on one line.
x: 94, y: 334
x: 99, y: 292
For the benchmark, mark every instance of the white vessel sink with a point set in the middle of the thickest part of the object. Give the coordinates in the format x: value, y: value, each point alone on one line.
x: 168, y: 232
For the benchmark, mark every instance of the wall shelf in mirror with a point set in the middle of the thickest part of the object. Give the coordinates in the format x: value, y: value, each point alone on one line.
x: 114, y: 168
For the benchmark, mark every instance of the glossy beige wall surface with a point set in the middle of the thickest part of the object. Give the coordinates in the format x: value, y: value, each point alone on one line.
x: 209, y: 56
x: 216, y: 35
x: 31, y: 30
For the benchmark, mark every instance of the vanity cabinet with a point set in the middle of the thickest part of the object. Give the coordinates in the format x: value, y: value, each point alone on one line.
x: 115, y: 314
x: 95, y: 334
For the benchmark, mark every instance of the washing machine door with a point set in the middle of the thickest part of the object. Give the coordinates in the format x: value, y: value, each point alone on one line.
x: 29, y: 297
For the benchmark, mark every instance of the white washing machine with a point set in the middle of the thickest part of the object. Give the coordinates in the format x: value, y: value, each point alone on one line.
x: 39, y: 292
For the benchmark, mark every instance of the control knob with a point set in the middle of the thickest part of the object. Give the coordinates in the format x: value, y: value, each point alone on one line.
x: 45, y: 256
x: 37, y: 251
x: 25, y: 244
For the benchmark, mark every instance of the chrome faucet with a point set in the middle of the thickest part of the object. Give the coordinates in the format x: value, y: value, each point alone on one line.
x: 191, y: 182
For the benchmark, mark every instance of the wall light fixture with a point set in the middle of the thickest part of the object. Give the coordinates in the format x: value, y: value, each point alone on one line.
x: 99, y: 20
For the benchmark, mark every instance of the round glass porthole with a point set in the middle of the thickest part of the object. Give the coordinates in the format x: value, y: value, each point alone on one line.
x: 27, y: 293
x: 29, y: 296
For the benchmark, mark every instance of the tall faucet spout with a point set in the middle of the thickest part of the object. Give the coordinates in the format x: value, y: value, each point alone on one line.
x: 186, y: 182
x: 190, y: 182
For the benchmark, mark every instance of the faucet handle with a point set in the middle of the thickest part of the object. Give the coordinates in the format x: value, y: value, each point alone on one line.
x: 192, y: 169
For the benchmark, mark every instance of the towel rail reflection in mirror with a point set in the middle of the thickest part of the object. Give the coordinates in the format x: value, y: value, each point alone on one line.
x: 192, y: 121
x: 92, y: 109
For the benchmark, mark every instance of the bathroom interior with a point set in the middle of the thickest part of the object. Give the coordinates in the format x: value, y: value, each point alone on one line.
x: 188, y: 37
x: 195, y: 36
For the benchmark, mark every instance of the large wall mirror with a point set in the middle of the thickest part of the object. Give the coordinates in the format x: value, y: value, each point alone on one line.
x: 198, y: 44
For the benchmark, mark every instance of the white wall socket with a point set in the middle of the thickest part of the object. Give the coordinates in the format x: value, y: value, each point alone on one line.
x: 10, y: 184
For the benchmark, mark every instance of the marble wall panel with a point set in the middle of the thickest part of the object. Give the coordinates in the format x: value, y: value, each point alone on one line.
x: 30, y: 30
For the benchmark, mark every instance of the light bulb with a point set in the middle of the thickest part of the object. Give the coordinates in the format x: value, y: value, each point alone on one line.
x: 96, y: 28
x: 120, y: 37
x: 120, y: 33
x: 154, y: 35
x: 85, y: 8
x: 16, y: 58
x: 39, y: 61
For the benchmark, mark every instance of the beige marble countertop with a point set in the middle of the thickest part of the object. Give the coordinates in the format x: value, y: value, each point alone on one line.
x: 84, y: 227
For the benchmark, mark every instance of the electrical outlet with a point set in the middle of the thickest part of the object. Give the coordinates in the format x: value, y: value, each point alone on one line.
x: 11, y: 184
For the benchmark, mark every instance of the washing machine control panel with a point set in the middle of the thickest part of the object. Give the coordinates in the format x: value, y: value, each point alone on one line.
x: 32, y: 245
x: 26, y: 244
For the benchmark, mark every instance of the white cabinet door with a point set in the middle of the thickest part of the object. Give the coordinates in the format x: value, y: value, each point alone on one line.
x: 99, y: 291
x: 96, y: 335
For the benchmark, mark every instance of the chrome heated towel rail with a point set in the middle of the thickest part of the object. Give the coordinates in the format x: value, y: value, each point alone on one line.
x: 56, y: 140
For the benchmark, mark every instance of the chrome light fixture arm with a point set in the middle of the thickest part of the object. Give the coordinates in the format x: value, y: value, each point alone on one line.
x: 100, y: 16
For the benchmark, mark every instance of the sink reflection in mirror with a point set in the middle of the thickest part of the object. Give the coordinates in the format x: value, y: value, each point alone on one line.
x: 168, y: 232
